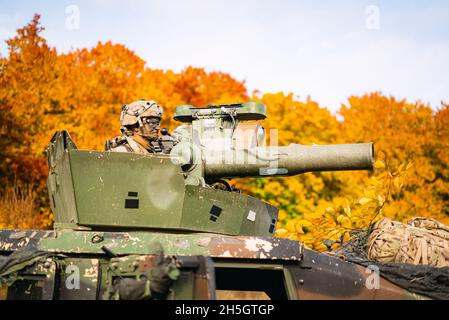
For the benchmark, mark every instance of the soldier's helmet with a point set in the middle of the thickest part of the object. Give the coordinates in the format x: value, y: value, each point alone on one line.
x: 133, y: 113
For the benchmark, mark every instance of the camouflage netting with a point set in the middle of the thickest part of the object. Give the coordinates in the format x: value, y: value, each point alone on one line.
x: 16, y: 261
x: 426, y: 280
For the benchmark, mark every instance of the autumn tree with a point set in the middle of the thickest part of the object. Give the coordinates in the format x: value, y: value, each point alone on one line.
x: 27, y: 79
x: 405, y: 132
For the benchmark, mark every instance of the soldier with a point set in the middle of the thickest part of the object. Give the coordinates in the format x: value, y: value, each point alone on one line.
x: 140, y: 125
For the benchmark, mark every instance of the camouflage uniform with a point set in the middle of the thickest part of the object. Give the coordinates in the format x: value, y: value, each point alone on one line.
x: 128, y: 144
x: 144, y: 115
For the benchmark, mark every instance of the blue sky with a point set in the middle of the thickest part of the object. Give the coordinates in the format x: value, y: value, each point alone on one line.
x: 328, y: 50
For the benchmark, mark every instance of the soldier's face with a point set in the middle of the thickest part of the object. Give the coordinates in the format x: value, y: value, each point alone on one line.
x: 150, y: 128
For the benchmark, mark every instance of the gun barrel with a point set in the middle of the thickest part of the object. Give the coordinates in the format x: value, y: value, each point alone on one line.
x: 287, y: 161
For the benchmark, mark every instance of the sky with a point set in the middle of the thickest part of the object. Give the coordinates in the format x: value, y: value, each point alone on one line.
x: 328, y: 50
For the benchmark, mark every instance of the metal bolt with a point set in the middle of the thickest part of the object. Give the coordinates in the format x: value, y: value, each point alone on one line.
x: 97, y: 238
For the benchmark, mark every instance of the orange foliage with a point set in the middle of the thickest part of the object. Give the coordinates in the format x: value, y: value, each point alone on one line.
x: 406, y: 132
x: 17, y: 209
x: 42, y: 91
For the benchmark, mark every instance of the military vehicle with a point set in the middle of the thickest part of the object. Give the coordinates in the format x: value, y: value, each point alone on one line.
x: 169, y: 225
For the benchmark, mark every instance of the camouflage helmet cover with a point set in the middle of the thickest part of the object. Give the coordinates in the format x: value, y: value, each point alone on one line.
x: 133, y: 112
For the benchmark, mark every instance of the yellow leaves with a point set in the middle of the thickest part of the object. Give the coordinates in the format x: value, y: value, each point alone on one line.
x: 330, y: 210
x: 408, y: 166
x: 397, y: 183
x: 347, y: 210
x: 379, y: 164
x: 381, y: 199
x: 273, y: 187
x: 320, y: 247
x: 403, y: 168
x: 298, y: 228
x: 306, y: 225
x: 302, y: 226
x: 344, y: 221
x: 370, y: 192
x: 330, y: 226
x: 282, y: 215
x: 290, y: 226
x: 313, y: 216
x: 340, y: 218
x: 281, y: 232
x: 365, y: 200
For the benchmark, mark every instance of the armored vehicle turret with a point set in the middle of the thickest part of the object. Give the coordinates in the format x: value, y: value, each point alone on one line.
x: 169, y: 226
